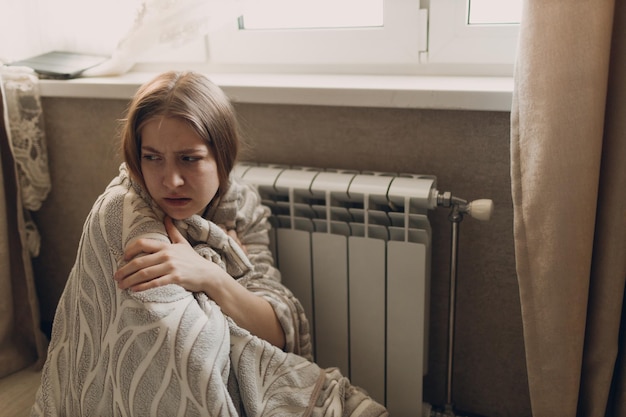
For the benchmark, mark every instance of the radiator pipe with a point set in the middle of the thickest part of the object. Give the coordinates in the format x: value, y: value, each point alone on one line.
x: 481, y: 210
x: 455, y: 217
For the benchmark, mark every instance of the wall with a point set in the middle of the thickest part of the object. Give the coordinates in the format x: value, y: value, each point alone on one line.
x: 468, y: 151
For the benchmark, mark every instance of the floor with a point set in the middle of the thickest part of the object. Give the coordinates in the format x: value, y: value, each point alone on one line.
x: 17, y: 393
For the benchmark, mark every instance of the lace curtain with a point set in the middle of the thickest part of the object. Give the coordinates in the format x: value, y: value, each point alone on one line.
x: 127, y: 30
x: 25, y: 129
x: 24, y: 185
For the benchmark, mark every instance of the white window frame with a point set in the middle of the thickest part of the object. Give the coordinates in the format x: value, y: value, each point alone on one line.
x: 432, y: 40
x: 392, y: 48
x: 468, y: 49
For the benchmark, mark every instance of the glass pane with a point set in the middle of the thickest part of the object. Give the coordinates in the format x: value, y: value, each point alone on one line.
x: 306, y: 14
x: 494, y: 12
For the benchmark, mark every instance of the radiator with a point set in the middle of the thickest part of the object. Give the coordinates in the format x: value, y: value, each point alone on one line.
x: 355, y: 248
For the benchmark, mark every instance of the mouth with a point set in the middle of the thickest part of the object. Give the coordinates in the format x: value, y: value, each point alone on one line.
x: 176, y: 201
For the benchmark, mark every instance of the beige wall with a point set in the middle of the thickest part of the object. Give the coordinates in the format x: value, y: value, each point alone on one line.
x: 467, y: 151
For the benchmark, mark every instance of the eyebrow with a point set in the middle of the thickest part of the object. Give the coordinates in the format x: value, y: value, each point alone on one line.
x: 179, y: 152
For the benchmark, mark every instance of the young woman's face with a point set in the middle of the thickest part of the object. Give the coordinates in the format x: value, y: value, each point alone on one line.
x: 179, y: 169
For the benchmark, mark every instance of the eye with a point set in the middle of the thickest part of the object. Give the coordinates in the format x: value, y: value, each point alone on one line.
x: 150, y: 157
x: 190, y: 158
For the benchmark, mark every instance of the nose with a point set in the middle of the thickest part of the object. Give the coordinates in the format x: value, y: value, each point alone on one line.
x: 172, y: 177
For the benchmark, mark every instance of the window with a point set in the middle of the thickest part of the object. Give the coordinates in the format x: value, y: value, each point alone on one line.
x: 458, y: 37
x: 493, y: 12
x: 374, y: 46
x: 474, y: 35
x: 437, y: 37
x: 320, y: 14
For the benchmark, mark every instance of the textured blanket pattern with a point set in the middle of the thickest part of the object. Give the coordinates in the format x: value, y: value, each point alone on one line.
x: 169, y: 352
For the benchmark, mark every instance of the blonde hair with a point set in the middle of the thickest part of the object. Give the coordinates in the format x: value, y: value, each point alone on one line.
x: 191, y: 97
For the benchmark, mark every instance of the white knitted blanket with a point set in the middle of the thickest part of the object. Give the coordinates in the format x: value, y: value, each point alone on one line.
x: 167, y: 351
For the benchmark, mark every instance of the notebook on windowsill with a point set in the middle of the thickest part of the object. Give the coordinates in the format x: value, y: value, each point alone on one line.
x: 60, y: 64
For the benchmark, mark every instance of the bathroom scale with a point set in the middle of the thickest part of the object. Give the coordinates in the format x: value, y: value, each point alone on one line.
x: 60, y: 64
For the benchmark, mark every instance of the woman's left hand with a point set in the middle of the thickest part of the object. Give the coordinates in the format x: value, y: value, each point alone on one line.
x: 153, y: 263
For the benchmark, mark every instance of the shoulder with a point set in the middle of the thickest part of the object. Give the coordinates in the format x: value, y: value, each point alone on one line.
x: 111, y: 200
x: 123, y: 211
x: 120, y: 192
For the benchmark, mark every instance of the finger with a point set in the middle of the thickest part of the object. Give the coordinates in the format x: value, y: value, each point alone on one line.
x: 135, y: 265
x: 159, y: 282
x: 173, y: 233
x: 142, y: 246
x: 142, y: 276
x: 125, y: 271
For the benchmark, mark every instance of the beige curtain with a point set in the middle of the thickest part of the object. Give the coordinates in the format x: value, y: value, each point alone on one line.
x: 568, y: 169
x: 24, y: 183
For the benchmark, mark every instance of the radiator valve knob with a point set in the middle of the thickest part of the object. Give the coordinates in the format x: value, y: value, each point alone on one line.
x: 480, y: 209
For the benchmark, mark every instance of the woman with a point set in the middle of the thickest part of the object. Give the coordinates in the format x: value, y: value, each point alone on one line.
x: 182, y: 155
x: 173, y: 306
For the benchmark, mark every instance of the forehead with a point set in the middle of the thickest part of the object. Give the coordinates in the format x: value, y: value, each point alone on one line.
x: 170, y: 133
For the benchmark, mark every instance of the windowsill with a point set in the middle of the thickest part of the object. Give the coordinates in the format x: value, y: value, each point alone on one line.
x: 419, y: 92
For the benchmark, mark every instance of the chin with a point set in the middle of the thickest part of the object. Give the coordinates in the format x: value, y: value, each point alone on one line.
x: 179, y: 215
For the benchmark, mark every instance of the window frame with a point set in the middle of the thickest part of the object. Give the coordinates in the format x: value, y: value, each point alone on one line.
x: 471, y: 49
x: 394, y: 48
